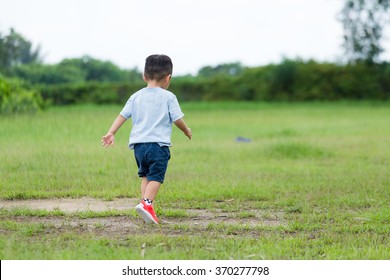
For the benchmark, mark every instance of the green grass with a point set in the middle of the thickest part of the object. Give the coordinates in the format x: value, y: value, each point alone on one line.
x: 324, y: 166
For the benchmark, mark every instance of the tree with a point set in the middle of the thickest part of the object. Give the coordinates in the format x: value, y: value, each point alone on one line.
x: 16, y: 50
x: 97, y: 70
x: 363, y: 22
x: 227, y: 69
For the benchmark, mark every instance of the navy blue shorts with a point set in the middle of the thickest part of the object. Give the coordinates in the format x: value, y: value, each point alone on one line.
x: 152, y: 160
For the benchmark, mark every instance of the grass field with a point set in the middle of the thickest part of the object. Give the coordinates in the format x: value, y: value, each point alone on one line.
x: 313, y: 183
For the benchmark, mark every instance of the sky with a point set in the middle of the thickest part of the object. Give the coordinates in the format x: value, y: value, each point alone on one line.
x: 194, y: 33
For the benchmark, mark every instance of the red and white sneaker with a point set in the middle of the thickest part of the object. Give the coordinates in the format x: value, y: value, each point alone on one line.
x: 147, y: 212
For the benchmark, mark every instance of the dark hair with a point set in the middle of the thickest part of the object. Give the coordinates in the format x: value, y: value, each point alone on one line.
x: 157, y: 66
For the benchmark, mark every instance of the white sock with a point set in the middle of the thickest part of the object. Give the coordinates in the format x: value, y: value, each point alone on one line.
x: 147, y: 201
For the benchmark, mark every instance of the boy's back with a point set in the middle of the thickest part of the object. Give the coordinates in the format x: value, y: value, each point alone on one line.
x: 152, y: 110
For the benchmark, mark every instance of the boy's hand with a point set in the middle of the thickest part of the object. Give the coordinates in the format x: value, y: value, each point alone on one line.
x: 188, y: 133
x: 108, y: 140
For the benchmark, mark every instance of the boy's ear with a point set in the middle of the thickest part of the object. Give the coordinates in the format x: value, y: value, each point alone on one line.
x: 169, y: 77
x: 145, y: 79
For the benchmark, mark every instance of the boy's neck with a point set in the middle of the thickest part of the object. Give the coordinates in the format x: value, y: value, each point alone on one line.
x: 154, y: 84
x: 163, y: 83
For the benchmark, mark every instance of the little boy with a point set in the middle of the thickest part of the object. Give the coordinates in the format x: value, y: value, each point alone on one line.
x: 153, y: 109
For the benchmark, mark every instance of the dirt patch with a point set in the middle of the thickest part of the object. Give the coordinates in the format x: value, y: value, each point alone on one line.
x: 108, y: 226
x: 196, y: 221
x: 71, y: 205
x: 250, y: 218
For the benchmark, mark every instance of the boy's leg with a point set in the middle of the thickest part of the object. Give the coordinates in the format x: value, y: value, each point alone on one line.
x: 144, y: 184
x: 151, y: 190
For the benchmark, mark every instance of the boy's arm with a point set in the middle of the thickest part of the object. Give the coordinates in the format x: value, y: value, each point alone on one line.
x: 183, y: 127
x: 108, y: 139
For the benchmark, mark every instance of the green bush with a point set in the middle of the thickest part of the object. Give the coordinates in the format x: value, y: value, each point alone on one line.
x: 15, y: 98
x: 291, y: 80
x: 305, y: 81
x: 91, y: 92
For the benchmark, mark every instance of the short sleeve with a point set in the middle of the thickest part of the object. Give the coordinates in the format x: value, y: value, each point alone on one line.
x: 174, y: 109
x: 127, y: 109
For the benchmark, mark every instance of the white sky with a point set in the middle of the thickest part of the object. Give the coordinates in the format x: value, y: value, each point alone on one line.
x: 194, y: 33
